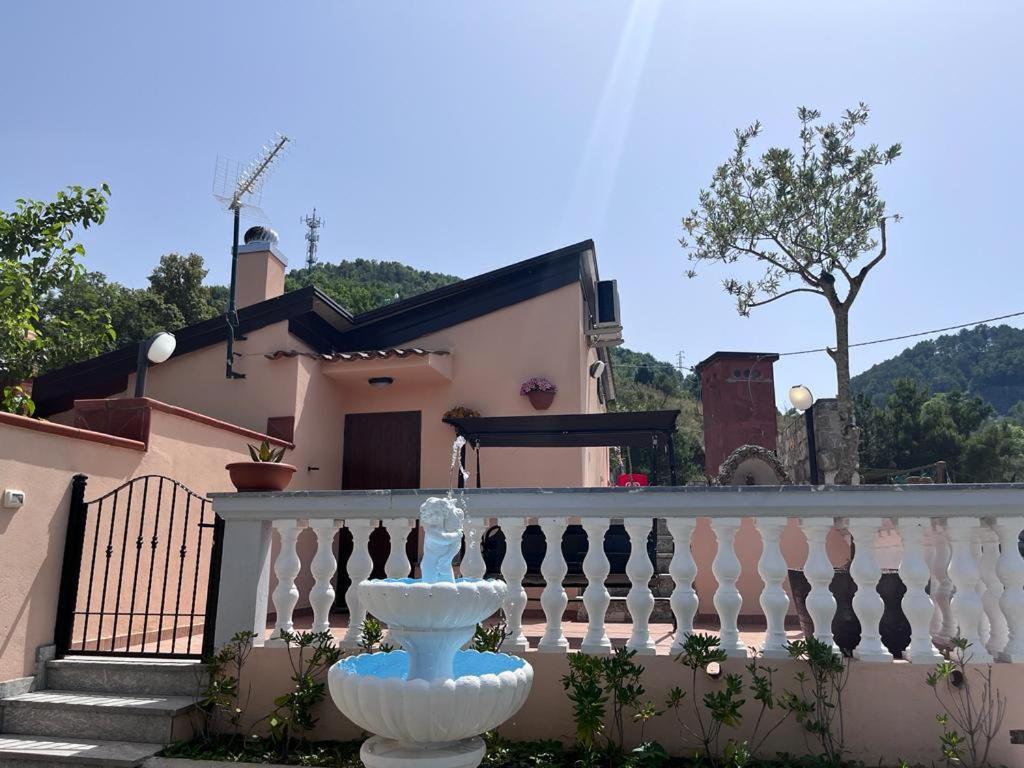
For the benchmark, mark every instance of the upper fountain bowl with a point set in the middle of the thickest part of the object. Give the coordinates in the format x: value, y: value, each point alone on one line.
x: 415, y: 604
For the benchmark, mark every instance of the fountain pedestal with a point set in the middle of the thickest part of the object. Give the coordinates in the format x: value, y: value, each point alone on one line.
x: 378, y: 752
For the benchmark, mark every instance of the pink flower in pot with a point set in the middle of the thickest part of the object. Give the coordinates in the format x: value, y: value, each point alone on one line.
x: 541, y: 392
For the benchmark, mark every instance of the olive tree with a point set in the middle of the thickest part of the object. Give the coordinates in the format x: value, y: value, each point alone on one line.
x: 808, y: 220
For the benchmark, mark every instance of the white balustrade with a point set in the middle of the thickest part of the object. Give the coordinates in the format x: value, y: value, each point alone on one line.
x: 286, y: 568
x: 513, y: 569
x: 960, y: 542
x: 728, y: 600
x: 360, y: 566
x: 397, y: 566
x: 917, y: 604
x: 323, y: 567
x: 553, y: 599
x: 867, y: 603
x: 818, y: 571
x: 774, y: 600
x: 640, y: 600
x: 683, y: 570
x: 595, y: 597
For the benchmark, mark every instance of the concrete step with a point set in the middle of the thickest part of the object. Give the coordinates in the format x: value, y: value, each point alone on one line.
x: 49, y: 752
x: 154, y: 718
x: 126, y: 675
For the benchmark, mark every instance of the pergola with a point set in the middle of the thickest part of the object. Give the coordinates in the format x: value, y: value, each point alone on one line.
x: 649, y: 430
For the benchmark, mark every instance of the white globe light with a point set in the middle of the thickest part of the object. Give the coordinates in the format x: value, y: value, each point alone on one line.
x: 801, y: 397
x: 161, y: 347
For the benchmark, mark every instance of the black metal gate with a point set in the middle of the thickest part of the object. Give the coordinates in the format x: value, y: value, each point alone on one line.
x: 140, y: 573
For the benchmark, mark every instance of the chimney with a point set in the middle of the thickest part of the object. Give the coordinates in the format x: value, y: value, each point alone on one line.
x: 260, y: 268
x: 737, y: 391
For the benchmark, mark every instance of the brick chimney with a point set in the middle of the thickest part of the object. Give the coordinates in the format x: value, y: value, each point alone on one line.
x: 737, y: 390
x: 260, y: 267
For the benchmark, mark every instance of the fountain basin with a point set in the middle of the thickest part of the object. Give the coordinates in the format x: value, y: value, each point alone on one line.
x: 414, y: 604
x: 374, y: 692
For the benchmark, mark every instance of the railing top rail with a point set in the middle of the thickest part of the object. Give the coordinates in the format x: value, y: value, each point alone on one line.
x: 973, y: 500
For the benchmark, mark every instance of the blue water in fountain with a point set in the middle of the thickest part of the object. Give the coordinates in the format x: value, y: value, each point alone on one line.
x: 467, y: 663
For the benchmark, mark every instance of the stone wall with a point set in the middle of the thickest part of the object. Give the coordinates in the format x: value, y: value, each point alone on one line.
x: 792, y: 444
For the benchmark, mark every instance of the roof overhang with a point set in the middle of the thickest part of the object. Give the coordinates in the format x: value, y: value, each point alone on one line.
x: 420, y: 366
x: 635, y: 429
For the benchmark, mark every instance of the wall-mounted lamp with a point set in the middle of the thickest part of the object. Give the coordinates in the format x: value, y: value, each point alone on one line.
x: 597, y: 368
x: 802, y: 399
x: 153, y: 351
x: 380, y: 381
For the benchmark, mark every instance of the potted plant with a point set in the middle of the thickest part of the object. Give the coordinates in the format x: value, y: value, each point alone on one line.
x: 461, y: 412
x: 541, y: 392
x: 266, y: 471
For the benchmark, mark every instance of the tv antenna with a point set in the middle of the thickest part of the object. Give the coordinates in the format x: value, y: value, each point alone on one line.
x: 313, y: 224
x: 241, y: 187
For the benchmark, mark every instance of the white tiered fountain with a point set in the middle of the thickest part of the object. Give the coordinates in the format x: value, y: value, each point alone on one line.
x: 429, y: 702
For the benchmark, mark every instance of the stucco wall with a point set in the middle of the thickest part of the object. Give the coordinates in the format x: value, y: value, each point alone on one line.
x: 42, y: 463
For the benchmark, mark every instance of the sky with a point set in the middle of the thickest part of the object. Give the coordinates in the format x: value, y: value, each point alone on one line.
x: 463, y: 136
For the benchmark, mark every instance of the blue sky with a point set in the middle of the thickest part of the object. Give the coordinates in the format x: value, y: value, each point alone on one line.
x: 462, y: 136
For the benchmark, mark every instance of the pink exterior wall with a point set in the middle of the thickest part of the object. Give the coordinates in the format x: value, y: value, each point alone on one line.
x: 40, y: 459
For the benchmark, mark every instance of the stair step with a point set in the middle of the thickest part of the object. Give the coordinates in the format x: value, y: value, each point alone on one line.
x: 123, y: 675
x: 154, y: 718
x: 44, y: 752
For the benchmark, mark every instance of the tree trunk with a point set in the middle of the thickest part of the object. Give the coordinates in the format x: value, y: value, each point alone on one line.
x: 846, y: 473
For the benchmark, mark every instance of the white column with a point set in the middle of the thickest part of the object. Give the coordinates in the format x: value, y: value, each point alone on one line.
x: 286, y: 568
x: 983, y: 625
x: 941, y: 587
x: 513, y: 569
x: 818, y: 570
x: 323, y: 567
x: 244, y: 580
x: 683, y: 570
x: 595, y: 596
x: 917, y: 604
x: 1010, y: 569
x: 360, y: 566
x: 473, y: 565
x: 774, y: 600
x: 553, y: 599
x: 997, y: 634
x: 728, y: 600
x: 397, y: 566
x: 867, y: 603
x: 963, y: 570
x: 640, y: 600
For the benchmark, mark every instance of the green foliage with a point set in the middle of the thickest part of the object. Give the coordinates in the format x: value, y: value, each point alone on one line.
x: 333, y: 754
x: 266, y: 453
x: 489, y: 639
x: 362, y: 285
x: 972, y: 714
x: 819, y: 707
x: 39, y: 256
x: 372, y: 637
x: 221, y: 696
x: 700, y: 652
x: 178, y: 282
x: 987, y: 361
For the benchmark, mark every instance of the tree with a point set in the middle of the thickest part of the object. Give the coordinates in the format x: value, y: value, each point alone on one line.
x: 995, y: 454
x: 39, y: 255
x: 809, y: 216
x: 178, y: 281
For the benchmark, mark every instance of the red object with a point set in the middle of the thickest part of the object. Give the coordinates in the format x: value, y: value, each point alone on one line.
x: 634, y: 480
x: 260, y: 475
x: 541, y: 399
x: 737, y: 391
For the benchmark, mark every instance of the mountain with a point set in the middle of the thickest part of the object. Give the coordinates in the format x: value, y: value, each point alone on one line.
x: 985, y: 360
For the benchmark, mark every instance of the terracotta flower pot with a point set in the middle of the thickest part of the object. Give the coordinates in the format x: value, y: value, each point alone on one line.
x: 260, y: 475
x: 541, y: 400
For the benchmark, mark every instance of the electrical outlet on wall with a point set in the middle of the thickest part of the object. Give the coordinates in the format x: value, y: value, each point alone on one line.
x: 13, y: 499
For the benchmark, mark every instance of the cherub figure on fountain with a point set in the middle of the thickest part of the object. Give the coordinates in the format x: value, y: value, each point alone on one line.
x: 442, y: 522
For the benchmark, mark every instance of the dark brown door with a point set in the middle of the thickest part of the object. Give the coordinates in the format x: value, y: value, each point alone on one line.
x: 381, y: 450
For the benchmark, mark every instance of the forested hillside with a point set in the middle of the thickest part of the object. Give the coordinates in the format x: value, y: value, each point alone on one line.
x: 987, y: 361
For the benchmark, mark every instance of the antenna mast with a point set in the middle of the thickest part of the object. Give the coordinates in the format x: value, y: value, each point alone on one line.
x: 313, y: 224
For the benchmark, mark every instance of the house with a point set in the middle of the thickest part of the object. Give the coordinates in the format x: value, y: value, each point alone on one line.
x: 362, y: 397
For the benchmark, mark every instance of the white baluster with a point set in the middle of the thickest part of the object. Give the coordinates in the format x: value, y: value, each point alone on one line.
x: 963, y: 569
x: 360, y: 566
x: 941, y: 587
x: 917, y: 604
x: 640, y: 600
x: 1010, y: 569
x: 553, y: 599
x: 984, y: 629
x: 728, y: 600
x: 286, y: 568
x: 595, y: 596
x: 473, y: 565
x: 818, y: 570
x: 867, y: 603
x: 997, y: 634
x: 323, y: 567
x: 683, y: 570
x: 397, y: 566
x: 513, y: 569
x: 774, y: 600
